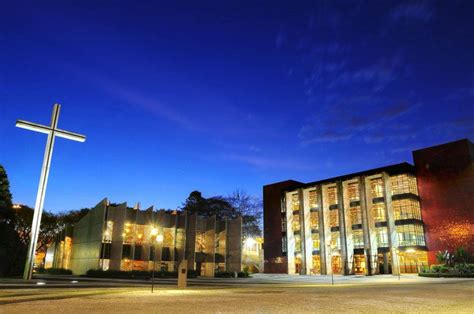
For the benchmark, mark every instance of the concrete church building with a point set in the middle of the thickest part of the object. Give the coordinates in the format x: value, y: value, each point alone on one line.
x: 118, y: 237
x: 376, y: 221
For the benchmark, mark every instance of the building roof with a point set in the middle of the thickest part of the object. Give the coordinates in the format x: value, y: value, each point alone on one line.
x: 403, y: 167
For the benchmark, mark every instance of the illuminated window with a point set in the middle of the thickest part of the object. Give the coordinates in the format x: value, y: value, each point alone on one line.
x: 128, y: 233
x: 378, y: 211
x: 283, y: 224
x: 335, y: 240
x: 295, y: 202
x: 200, y: 241
x: 332, y: 195
x: 314, y: 220
x: 406, y: 209
x: 315, y: 238
x: 313, y: 199
x: 297, y: 243
x: 296, y: 222
x: 358, y: 238
x: 109, y: 228
x: 356, y: 215
x: 283, y: 206
x: 403, y: 183
x: 283, y: 244
x: 376, y: 187
x: 409, y: 235
x: 382, y: 236
x: 353, y: 191
x: 333, y: 218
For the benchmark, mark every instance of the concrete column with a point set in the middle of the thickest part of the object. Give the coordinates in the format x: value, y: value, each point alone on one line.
x: 117, y: 236
x: 306, y: 240
x: 233, y: 245
x: 346, y: 214
x: 367, y: 227
x: 290, y: 238
x: 372, y: 233
x: 345, y: 255
x: 322, y: 247
x: 190, y: 251
x: 326, y: 239
x: 392, y: 231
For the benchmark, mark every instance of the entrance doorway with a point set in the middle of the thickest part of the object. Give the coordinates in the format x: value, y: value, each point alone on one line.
x: 359, y: 264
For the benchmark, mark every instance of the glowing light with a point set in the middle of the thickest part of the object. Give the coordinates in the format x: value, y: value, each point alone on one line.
x: 123, y: 234
x: 410, y: 251
x: 159, y: 238
x: 139, y: 236
x: 249, y: 243
x: 41, y: 283
x: 74, y: 281
x: 154, y: 231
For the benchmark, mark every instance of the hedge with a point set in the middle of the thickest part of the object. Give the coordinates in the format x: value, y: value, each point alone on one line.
x: 135, y: 274
x: 231, y: 274
x: 54, y: 271
x: 446, y: 275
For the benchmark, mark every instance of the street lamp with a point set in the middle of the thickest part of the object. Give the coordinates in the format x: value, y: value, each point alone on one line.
x: 397, y: 250
x: 330, y: 251
x: 158, y: 239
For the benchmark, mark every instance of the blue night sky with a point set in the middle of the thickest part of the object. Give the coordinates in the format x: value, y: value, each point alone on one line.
x: 216, y: 96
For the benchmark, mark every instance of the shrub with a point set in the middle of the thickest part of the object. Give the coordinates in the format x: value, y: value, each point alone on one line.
x: 224, y: 274
x: 192, y: 273
x: 58, y: 271
x: 40, y: 270
x: 136, y: 274
x: 243, y: 274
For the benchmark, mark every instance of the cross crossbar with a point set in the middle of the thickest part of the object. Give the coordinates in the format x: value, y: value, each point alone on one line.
x: 52, y: 132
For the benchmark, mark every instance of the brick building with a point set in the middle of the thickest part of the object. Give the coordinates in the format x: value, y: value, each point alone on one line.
x: 382, y: 220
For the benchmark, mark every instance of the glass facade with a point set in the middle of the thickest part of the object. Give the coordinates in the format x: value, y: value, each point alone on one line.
x: 379, y: 212
x: 332, y: 196
x: 353, y: 191
x: 403, y: 183
x: 356, y: 215
x: 333, y: 218
x: 313, y: 199
x: 410, y: 235
x: 384, y: 206
x: 315, y: 238
x: 358, y: 238
x: 314, y: 220
x: 382, y: 236
x: 295, y: 202
x: 406, y: 209
x: 376, y: 187
x: 296, y: 223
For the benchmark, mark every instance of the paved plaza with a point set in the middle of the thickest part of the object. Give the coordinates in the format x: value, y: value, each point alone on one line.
x: 258, y: 294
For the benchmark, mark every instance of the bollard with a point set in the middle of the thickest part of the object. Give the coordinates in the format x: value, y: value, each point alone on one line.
x: 183, y: 274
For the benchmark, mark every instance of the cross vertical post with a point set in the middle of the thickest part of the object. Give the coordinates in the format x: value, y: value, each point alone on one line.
x: 52, y: 132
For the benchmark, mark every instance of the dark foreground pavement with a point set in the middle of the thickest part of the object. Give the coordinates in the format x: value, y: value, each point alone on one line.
x: 260, y: 294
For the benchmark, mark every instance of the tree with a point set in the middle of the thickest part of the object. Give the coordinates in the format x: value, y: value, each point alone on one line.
x: 12, y: 250
x: 208, y: 207
x: 250, y: 208
x: 6, y: 206
x: 71, y: 217
x: 48, y: 229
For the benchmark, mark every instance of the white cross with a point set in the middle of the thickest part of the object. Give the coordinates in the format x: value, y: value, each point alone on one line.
x: 52, y: 132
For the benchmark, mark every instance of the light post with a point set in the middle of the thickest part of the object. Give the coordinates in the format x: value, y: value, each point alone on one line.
x: 397, y: 250
x: 332, y: 270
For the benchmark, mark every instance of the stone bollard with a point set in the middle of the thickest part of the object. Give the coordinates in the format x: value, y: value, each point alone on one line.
x: 183, y: 274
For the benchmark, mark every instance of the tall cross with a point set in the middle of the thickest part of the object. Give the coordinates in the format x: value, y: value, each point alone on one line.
x: 52, y: 131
